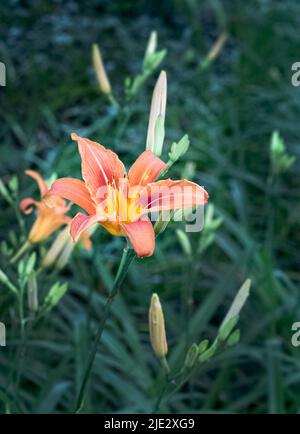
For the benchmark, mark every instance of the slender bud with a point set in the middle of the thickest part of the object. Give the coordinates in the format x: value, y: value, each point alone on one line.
x: 3, y: 277
x: 157, y: 115
x: 56, y: 248
x: 178, y: 149
x: 65, y: 255
x: 234, y: 338
x: 157, y: 328
x: 280, y: 159
x: 152, y: 44
x: 32, y: 293
x: 56, y: 292
x: 238, y: 302
x: 217, y: 47
x: 100, y: 70
x: 5, y: 280
x: 191, y: 356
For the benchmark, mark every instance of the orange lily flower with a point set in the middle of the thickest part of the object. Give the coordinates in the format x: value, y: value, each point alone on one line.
x: 120, y: 202
x: 51, y: 213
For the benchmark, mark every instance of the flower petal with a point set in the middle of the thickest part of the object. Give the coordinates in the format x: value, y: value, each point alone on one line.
x: 80, y: 223
x: 100, y: 166
x: 168, y: 194
x: 141, y: 235
x: 145, y: 169
x: 74, y: 190
x: 41, y: 183
x: 26, y: 205
x: 47, y: 221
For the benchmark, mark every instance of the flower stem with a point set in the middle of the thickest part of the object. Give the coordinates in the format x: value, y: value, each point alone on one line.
x: 127, y: 258
x: 20, y: 252
x: 167, y: 372
x: 113, y: 101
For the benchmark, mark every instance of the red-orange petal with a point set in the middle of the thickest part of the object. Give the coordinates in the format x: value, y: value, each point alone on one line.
x: 26, y: 205
x: 100, y: 166
x: 74, y: 190
x: 168, y: 195
x: 141, y: 235
x: 145, y: 169
x: 37, y: 177
x: 80, y: 223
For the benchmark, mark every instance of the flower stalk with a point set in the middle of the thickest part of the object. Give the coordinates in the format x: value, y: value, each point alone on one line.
x: 20, y: 252
x: 127, y: 258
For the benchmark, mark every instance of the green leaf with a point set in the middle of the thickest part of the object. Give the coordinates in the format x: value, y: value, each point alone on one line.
x: 205, y: 241
x: 5, y: 280
x: 4, y: 192
x: 207, y: 236
x: 13, y: 184
x: 184, y: 242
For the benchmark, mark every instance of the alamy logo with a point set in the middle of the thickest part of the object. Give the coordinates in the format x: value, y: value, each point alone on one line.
x: 2, y: 74
x: 2, y: 335
x: 296, y: 336
x: 296, y: 75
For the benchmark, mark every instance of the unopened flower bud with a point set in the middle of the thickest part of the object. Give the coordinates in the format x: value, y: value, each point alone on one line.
x: 3, y: 277
x: 157, y: 328
x: 100, y: 70
x: 217, y: 47
x: 56, y: 248
x: 155, y: 134
x: 32, y: 293
x: 65, y: 255
x: 152, y: 44
x: 178, y: 149
x: 191, y: 356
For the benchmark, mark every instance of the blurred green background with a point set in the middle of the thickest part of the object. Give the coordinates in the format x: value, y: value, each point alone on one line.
x: 229, y: 110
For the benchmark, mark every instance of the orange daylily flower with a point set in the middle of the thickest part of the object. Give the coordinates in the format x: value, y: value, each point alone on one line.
x: 120, y: 202
x: 51, y: 214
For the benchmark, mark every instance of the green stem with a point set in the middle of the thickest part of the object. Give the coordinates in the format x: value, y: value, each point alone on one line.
x: 113, y: 101
x: 271, y: 207
x: 22, y: 346
x: 167, y: 372
x: 127, y: 258
x: 166, y: 367
x: 20, y: 252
